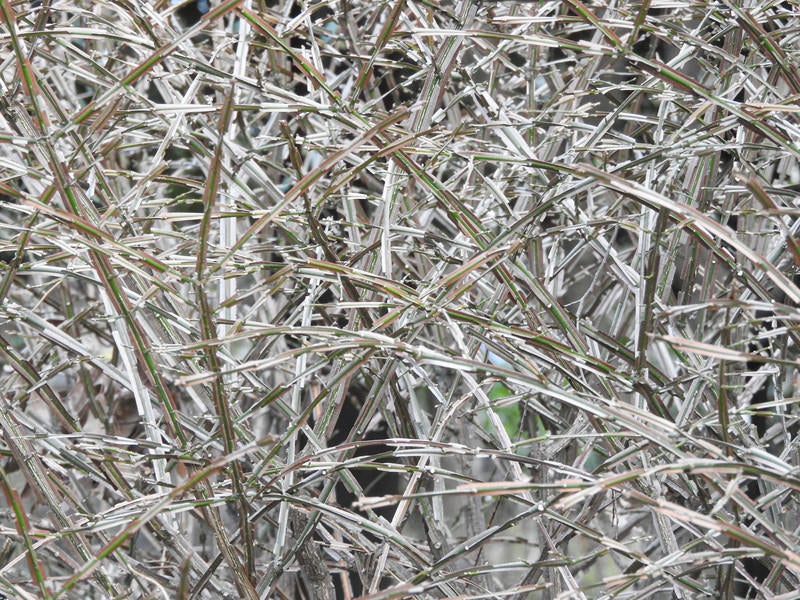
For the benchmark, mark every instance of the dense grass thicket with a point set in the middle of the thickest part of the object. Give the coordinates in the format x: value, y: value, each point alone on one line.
x: 317, y: 299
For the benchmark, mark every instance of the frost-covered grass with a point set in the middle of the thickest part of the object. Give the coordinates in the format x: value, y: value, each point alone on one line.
x: 399, y: 298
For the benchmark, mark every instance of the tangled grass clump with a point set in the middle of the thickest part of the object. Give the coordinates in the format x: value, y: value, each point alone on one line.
x: 337, y: 298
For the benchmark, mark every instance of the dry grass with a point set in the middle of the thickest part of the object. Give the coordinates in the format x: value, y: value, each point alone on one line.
x: 399, y: 299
